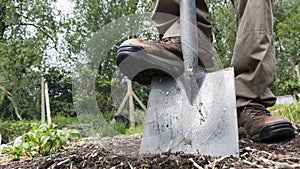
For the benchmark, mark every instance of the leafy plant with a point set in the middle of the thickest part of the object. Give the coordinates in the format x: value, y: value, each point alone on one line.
x: 42, y: 141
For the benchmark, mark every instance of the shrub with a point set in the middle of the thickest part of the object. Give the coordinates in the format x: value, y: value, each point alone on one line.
x: 9, y: 130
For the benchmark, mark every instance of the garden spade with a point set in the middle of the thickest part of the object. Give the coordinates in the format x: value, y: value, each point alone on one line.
x: 195, y: 112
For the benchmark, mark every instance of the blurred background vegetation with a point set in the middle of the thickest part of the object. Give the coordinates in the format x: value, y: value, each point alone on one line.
x: 38, y: 39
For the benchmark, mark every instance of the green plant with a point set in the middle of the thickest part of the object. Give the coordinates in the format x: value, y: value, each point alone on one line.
x: 42, y: 141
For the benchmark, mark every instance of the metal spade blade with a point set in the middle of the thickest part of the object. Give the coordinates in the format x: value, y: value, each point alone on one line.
x: 194, y: 113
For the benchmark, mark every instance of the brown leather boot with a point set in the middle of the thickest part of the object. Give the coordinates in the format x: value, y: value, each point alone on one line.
x: 260, y: 126
x: 172, y: 44
x: 139, y: 60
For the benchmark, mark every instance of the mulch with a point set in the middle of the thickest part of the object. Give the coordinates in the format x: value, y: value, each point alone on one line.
x: 122, y: 152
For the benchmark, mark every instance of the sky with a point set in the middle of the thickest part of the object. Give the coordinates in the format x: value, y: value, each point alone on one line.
x: 65, y: 5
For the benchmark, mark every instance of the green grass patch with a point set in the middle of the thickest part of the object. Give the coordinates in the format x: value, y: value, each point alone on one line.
x: 62, y: 121
x: 137, y: 130
x: 121, y: 128
x: 291, y: 111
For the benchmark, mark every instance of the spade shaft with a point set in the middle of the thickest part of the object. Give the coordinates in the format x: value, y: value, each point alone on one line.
x: 189, y: 35
x: 192, y: 77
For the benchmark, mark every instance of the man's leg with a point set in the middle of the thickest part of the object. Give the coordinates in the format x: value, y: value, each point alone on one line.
x: 254, y: 53
x: 166, y: 17
x: 158, y: 55
x: 167, y: 20
x: 254, y: 63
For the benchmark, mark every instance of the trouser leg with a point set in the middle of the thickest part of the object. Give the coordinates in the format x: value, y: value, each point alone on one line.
x: 166, y: 17
x: 254, y: 53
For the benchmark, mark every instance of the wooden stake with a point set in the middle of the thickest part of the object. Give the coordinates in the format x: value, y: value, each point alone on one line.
x: 123, y: 103
x: 47, y: 104
x: 131, y: 104
x: 297, y: 66
x: 42, y: 100
x: 139, y: 101
x: 130, y: 95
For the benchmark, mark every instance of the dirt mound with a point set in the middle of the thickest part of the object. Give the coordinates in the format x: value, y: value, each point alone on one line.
x: 122, y: 152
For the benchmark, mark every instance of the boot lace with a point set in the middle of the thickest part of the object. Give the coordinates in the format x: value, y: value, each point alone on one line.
x: 253, y: 111
x: 170, y: 40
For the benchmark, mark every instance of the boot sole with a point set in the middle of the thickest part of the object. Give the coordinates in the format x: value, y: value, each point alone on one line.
x: 276, y: 132
x: 141, y: 66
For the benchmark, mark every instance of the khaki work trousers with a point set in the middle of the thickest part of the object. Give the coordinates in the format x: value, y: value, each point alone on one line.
x: 254, y: 54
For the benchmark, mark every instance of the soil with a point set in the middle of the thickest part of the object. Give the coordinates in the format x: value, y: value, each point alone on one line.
x: 122, y: 152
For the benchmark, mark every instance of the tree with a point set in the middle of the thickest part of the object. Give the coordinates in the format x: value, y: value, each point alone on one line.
x: 28, y: 29
x: 60, y: 85
x: 224, y: 29
x: 287, y: 26
x: 90, y: 16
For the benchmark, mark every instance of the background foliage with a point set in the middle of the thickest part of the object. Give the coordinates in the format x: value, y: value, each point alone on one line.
x: 28, y: 31
x: 11, y: 129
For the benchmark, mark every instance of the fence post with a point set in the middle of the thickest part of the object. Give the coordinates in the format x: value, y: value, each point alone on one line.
x: 131, y: 104
x: 42, y: 100
x: 47, y: 104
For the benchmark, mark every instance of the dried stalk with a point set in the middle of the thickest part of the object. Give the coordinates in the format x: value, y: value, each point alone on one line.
x: 195, y: 164
x: 9, y: 96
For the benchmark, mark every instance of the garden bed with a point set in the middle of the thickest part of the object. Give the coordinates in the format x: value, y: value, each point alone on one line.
x: 122, y: 152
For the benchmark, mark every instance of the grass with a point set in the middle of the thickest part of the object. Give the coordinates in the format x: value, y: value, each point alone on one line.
x: 291, y: 111
x: 121, y: 128
x: 137, y: 130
